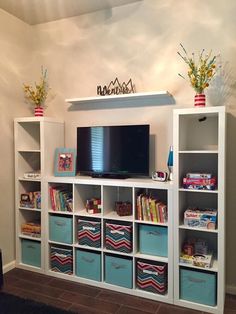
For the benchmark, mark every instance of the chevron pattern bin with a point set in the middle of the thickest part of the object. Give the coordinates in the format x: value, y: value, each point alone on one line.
x: 89, y: 233
x: 118, y: 237
x: 152, y: 277
x: 62, y: 260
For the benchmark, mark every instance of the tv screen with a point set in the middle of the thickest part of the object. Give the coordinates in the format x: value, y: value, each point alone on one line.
x: 113, y: 151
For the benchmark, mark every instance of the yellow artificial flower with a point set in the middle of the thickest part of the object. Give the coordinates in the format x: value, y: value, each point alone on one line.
x: 201, y: 71
x: 37, y: 95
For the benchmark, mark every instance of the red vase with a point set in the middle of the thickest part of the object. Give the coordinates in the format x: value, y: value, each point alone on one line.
x: 200, y: 100
x: 38, y: 112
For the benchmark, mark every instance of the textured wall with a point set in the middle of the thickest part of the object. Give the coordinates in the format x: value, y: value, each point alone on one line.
x: 15, y: 39
x: 138, y: 41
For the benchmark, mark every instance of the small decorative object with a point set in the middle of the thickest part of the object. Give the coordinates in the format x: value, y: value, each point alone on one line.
x: 116, y: 88
x: 159, y: 176
x: 38, y: 93
x: 123, y: 208
x: 200, y: 73
x: 170, y: 163
x: 65, y: 162
x: 93, y: 205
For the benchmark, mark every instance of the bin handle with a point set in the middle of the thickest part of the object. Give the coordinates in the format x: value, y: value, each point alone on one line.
x: 30, y: 247
x: 117, y: 266
x: 190, y: 278
x: 88, y: 260
x: 60, y: 223
x: 156, y: 233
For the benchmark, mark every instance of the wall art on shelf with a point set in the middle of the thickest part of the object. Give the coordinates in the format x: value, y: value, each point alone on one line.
x: 116, y: 88
x: 65, y: 162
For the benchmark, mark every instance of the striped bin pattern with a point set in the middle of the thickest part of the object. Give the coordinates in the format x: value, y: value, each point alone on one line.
x: 119, y: 237
x: 152, y: 277
x: 89, y: 233
x: 200, y: 100
x: 61, y: 260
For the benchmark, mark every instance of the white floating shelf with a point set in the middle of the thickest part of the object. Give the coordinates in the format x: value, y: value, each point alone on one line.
x: 123, y: 100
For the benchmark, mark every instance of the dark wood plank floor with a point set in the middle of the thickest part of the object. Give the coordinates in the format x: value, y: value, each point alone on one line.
x: 86, y: 299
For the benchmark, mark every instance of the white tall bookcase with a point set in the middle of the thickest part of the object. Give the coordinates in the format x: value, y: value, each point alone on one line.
x: 199, y: 146
x: 35, y: 142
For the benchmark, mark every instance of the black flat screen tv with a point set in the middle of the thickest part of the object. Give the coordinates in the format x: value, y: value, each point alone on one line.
x: 113, y: 151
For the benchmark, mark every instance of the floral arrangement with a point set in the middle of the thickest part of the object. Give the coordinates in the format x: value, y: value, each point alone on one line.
x: 38, y: 93
x: 201, y: 71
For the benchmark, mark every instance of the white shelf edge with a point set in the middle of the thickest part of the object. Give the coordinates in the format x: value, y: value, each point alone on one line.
x: 59, y: 212
x: 199, y: 111
x: 59, y: 243
x: 121, y: 97
x: 86, y: 247
x: 38, y: 119
x: 151, y: 223
x: 213, y: 269
x: 198, y: 191
x: 117, y: 252
x: 85, y: 214
x: 30, y: 209
x: 28, y: 150
x: 184, y: 227
x: 151, y: 257
x: 22, y: 236
x: 29, y: 179
x: 113, y: 215
x: 198, y: 151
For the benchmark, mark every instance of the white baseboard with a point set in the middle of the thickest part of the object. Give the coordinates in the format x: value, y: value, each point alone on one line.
x: 231, y: 289
x: 9, y: 266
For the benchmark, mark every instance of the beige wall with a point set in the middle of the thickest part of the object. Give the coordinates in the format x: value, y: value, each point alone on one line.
x: 15, y: 39
x: 138, y: 41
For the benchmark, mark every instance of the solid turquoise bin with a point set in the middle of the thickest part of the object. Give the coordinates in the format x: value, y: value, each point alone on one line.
x: 88, y: 265
x: 198, y: 286
x: 60, y: 229
x: 153, y: 240
x: 118, y: 271
x: 31, y: 252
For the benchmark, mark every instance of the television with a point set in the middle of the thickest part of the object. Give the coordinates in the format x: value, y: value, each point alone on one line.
x: 113, y: 151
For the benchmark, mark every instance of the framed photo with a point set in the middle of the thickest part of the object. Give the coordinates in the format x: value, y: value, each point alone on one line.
x: 65, y: 162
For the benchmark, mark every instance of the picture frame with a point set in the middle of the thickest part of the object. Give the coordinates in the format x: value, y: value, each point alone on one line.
x: 65, y: 162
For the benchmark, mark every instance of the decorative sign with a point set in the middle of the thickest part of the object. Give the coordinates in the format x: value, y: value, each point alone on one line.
x: 116, y: 88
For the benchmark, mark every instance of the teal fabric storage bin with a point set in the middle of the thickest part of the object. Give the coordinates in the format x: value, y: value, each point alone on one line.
x: 88, y: 265
x: 153, y: 240
x: 31, y: 252
x: 60, y: 229
x: 118, y: 271
x: 198, y: 286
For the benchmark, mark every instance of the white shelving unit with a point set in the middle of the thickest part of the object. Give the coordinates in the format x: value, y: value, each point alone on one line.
x: 199, y: 146
x: 35, y: 143
x: 110, y: 191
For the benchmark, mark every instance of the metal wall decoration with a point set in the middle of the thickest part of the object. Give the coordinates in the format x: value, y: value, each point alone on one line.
x: 116, y: 88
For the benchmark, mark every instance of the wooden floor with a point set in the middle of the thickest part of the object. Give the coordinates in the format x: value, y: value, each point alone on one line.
x: 86, y: 299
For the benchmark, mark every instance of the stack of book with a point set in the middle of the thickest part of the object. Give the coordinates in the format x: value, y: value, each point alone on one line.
x: 31, y: 200
x: 61, y: 199
x: 32, y: 229
x: 199, y: 181
x: 151, y: 209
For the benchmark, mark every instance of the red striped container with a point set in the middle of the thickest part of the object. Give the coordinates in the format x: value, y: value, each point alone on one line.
x: 38, y: 112
x: 200, y: 100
